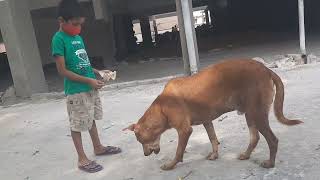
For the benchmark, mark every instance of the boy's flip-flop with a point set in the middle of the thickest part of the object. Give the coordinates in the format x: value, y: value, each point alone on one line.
x: 91, y: 167
x: 109, y: 150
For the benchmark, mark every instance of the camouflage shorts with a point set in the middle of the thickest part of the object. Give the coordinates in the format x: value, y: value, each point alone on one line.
x: 83, y: 109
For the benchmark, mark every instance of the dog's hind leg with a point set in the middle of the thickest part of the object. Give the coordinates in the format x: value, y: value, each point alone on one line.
x: 261, y: 121
x: 213, y: 139
x: 264, y: 128
x: 254, y: 138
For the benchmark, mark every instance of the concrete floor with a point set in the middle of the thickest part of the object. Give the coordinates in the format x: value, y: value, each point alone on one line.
x: 36, y: 143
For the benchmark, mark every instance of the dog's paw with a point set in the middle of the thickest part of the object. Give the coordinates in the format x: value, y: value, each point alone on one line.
x: 168, y: 166
x: 212, y: 156
x: 243, y: 156
x: 267, y: 164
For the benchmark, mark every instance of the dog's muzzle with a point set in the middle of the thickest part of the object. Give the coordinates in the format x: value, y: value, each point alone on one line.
x: 149, y: 150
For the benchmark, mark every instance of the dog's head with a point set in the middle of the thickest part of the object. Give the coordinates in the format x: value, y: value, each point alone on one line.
x: 147, y: 137
x: 148, y: 130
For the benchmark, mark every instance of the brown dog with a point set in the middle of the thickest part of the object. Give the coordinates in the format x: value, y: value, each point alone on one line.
x: 243, y: 85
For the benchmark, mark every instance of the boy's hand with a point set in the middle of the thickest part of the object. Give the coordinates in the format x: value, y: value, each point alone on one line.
x: 60, y: 62
x: 96, y: 84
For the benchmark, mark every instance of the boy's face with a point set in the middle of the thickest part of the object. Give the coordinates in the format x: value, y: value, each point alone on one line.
x: 72, y: 26
x: 77, y: 22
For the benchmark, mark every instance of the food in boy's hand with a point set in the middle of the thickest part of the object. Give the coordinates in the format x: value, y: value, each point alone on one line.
x: 107, y: 75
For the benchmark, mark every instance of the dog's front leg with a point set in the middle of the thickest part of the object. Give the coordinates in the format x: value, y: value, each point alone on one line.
x: 213, y: 139
x: 182, y: 143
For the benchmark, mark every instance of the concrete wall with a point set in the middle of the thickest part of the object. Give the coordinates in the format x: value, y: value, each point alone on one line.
x: 38, y: 4
x: 45, y: 29
x: 22, y: 48
x: 96, y: 34
x: 99, y: 40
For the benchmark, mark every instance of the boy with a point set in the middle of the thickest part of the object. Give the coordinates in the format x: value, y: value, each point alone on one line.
x: 80, y: 84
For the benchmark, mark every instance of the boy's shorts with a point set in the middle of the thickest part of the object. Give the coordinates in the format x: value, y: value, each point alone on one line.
x: 83, y: 109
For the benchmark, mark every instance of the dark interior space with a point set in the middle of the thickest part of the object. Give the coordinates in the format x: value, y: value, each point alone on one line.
x: 238, y: 23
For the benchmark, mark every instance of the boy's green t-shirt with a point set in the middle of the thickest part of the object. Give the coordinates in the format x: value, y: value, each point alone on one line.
x: 76, y: 60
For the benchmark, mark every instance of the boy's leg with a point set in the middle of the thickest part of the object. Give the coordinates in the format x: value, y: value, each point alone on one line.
x: 83, y: 162
x: 77, y: 140
x: 99, y: 149
x: 80, y: 121
x: 97, y: 107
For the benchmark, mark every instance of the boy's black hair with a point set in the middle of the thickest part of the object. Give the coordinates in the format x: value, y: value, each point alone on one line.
x: 69, y: 9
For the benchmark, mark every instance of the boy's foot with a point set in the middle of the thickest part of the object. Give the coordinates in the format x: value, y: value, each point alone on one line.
x: 91, y: 167
x: 109, y: 150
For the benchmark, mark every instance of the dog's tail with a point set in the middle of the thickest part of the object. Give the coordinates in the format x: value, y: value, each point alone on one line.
x: 278, y: 102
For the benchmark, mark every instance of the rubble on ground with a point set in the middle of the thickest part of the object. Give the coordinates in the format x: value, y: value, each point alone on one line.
x: 288, y: 61
x: 8, y: 96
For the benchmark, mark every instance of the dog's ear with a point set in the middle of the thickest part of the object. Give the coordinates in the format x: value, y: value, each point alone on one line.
x: 136, y: 128
x: 130, y: 128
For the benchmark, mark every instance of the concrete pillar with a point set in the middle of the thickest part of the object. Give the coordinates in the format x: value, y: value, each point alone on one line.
x: 155, y: 27
x: 99, y: 7
x: 120, y: 37
x: 191, y: 38
x: 183, y: 41
x: 207, y: 16
x: 102, y: 11
x: 146, y: 31
x: 219, y: 14
x: 302, y: 30
x: 22, y: 49
x: 130, y: 35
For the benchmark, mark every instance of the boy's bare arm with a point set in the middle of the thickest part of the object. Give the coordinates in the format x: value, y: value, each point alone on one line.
x: 60, y: 63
